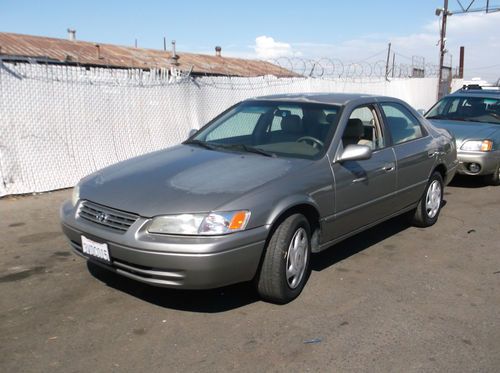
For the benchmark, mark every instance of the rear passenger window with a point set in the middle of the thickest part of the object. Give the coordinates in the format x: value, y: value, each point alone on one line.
x: 402, y: 125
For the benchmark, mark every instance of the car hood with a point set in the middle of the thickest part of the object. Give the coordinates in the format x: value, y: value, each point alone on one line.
x: 183, y: 179
x: 463, y: 130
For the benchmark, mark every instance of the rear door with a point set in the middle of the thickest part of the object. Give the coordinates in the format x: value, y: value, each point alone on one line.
x: 414, y: 151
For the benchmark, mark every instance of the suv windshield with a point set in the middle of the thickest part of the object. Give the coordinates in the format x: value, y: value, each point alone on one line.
x: 275, y: 129
x: 473, y: 109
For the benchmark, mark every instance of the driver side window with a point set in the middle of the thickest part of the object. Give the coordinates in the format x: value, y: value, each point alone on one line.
x: 363, y: 128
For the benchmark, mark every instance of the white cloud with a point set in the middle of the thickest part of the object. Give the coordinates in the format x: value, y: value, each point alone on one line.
x: 267, y: 47
x: 477, y: 32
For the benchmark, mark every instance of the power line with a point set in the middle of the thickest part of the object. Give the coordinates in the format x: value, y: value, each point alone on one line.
x: 402, y: 55
x: 374, y: 55
x: 484, y: 67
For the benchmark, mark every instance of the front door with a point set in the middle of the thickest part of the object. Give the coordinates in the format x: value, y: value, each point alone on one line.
x: 364, y: 190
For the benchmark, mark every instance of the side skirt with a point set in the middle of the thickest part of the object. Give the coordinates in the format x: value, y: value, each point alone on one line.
x: 326, y: 245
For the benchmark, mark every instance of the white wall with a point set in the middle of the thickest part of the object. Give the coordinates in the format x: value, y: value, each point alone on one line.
x: 58, y: 124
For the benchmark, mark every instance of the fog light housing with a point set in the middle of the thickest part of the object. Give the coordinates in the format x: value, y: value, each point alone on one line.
x: 474, y: 167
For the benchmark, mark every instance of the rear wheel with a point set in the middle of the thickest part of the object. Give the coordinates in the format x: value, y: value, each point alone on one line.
x: 494, y: 178
x: 285, y: 268
x: 427, y: 211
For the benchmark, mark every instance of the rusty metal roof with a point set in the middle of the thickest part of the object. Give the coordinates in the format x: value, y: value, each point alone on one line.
x: 116, y: 56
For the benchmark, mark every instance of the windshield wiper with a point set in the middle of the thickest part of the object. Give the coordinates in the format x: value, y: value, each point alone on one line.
x: 203, y: 144
x: 246, y: 148
x: 458, y: 119
x: 469, y: 120
x: 250, y: 149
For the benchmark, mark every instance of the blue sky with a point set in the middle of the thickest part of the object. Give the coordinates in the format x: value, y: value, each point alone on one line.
x: 349, y: 30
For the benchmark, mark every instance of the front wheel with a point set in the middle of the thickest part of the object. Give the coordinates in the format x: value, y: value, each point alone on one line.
x: 285, y: 267
x: 429, y: 206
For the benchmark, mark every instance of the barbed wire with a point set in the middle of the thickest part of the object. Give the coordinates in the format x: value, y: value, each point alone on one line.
x: 332, y: 68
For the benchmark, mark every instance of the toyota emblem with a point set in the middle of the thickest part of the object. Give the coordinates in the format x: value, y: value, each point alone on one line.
x: 101, y: 217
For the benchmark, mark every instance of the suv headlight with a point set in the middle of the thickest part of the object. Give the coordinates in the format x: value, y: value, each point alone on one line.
x: 213, y: 223
x: 477, y: 145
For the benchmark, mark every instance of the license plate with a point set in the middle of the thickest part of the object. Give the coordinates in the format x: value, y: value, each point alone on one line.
x: 95, y: 249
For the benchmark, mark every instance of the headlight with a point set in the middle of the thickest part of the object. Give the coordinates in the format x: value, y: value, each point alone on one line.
x: 200, y: 224
x: 76, y: 194
x: 477, y: 145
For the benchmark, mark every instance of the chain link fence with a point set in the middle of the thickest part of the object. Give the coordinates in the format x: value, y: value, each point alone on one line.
x: 59, y: 123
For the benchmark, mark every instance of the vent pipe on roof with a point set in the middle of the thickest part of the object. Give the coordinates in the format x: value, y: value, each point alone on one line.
x: 218, y: 51
x: 71, y: 34
x: 174, y: 57
x: 98, y: 51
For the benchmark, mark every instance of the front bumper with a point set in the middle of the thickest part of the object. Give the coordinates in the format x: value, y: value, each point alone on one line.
x: 171, y: 261
x: 488, y: 161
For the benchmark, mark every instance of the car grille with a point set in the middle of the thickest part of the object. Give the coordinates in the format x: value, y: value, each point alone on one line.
x: 105, y: 216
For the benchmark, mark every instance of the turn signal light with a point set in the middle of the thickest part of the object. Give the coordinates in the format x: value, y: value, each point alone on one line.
x: 239, y: 219
x: 486, y: 145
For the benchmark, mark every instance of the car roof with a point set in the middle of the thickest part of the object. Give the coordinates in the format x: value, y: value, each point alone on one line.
x: 320, y: 98
x: 493, y: 92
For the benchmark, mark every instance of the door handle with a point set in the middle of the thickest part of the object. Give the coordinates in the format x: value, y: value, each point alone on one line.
x: 432, y: 153
x: 359, y: 180
x: 389, y: 167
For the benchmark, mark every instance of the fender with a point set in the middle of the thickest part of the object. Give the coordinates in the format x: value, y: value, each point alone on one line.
x: 288, y: 203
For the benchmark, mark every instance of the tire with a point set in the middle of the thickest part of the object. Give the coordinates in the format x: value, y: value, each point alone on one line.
x: 429, y: 206
x: 494, y: 178
x: 282, y: 275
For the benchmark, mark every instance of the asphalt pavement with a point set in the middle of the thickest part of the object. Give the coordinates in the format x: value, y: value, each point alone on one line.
x: 392, y: 299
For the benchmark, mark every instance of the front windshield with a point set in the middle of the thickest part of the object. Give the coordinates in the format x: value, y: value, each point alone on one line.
x: 472, y: 109
x: 277, y: 129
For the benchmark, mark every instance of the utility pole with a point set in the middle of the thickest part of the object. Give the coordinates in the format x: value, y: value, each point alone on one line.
x: 442, y: 43
x: 387, y: 63
x: 393, y: 60
x: 461, y: 63
x: 442, y: 49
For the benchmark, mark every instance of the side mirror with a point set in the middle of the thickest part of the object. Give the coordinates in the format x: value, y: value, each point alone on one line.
x: 192, y: 131
x: 355, y: 153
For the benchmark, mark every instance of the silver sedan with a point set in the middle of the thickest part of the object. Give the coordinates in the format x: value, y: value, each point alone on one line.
x: 253, y: 193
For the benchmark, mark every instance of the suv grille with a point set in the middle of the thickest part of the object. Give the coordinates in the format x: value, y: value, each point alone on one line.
x: 105, y: 216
